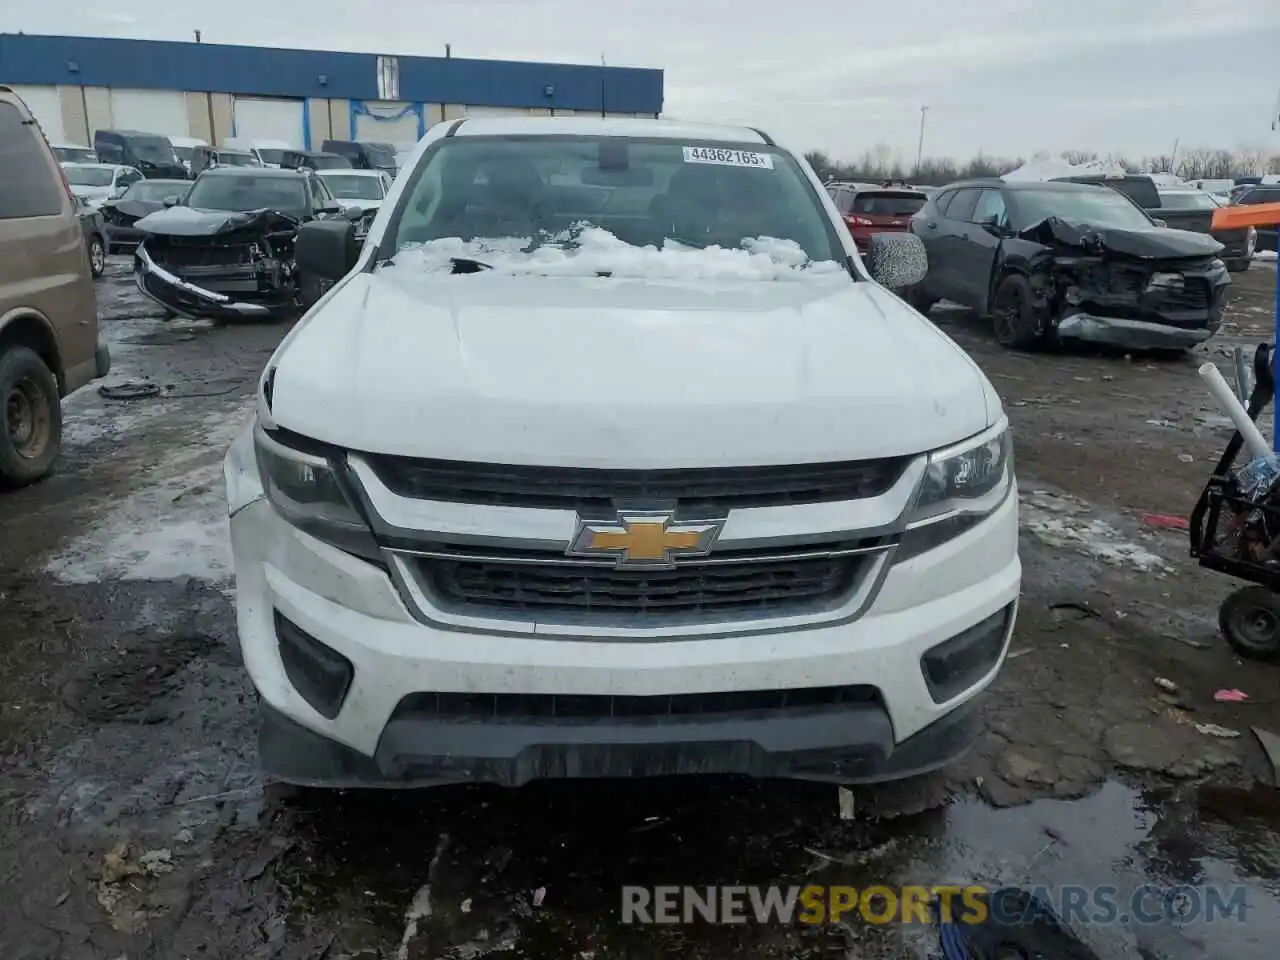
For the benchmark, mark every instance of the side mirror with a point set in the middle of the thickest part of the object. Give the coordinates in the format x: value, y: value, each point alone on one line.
x: 352, y: 211
x: 326, y: 249
x: 897, y: 260
x: 172, y: 201
x: 1158, y: 222
x: 992, y: 226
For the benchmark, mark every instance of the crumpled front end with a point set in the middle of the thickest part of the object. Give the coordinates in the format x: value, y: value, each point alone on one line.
x: 242, y: 270
x: 1128, y: 290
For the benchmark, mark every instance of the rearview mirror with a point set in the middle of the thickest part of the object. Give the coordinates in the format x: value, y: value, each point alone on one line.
x: 897, y: 260
x: 326, y: 249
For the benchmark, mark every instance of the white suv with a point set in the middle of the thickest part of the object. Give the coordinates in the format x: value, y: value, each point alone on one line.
x: 605, y: 455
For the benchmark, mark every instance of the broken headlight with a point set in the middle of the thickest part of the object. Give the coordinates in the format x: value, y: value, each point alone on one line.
x: 962, y: 485
x: 307, y: 491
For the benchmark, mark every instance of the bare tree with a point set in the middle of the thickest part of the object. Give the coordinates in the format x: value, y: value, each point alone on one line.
x: 1076, y: 157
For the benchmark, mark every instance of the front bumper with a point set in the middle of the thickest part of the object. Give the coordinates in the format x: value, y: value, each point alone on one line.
x: 1129, y: 334
x: 386, y: 731
x: 189, y: 300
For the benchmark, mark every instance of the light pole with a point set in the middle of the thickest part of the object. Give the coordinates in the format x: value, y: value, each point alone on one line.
x: 920, y: 145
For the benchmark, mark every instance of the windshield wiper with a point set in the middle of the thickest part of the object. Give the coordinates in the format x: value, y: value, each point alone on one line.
x: 468, y: 265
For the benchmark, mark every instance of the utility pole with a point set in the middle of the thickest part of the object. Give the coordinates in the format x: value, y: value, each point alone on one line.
x: 603, y: 65
x: 448, y: 51
x: 920, y: 144
x: 197, y: 36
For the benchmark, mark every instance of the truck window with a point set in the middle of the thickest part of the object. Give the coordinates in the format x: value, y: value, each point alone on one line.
x: 28, y: 188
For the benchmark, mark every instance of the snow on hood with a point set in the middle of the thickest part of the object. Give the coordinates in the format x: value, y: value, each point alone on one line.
x: 1052, y: 169
x: 634, y: 372
x: 592, y: 252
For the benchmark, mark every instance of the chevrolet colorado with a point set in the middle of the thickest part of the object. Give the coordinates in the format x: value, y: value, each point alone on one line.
x: 606, y: 454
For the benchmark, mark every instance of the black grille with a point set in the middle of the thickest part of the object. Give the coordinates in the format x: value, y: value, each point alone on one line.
x: 599, y: 707
x: 710, y: 490
x: 726, y: 590
x: 201, y: 254
x: 1193, y: 295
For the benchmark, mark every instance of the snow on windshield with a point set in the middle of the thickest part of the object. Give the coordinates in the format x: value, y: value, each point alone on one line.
x: 591, y: 251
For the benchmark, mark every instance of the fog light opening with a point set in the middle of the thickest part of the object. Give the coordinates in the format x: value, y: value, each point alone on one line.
x: 956, y: 664
x: 320, y: 674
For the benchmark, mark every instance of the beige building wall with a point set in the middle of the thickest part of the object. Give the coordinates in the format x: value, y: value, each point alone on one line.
x: 97, y: 109
x: 454, y: 111
x: 338, y: 114
x: 75, y: 121
x: 221, y: 106
x: 318, y: 122
x: 199, y: 116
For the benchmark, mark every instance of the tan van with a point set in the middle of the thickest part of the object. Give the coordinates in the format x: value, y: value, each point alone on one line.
x: 48, y: 314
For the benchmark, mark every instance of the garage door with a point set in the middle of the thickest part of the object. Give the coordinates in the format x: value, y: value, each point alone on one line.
x: 46, y: 108
x: 497, y: 112
x: 151, y: 111
x: 385, y: 122
x: 259, y: 118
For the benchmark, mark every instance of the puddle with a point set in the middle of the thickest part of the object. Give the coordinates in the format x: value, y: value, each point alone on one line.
x: 539, y: 871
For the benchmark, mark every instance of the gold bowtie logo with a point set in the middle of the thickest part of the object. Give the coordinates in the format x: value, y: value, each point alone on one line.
x: 644, y: 539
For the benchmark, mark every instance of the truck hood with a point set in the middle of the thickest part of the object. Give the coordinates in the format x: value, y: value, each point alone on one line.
x: 585, y: 371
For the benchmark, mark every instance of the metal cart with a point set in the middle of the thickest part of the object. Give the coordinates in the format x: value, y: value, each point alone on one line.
x: 1238, y: 536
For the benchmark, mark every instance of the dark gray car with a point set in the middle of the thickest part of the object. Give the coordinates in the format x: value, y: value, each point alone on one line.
x: 1069, y: 261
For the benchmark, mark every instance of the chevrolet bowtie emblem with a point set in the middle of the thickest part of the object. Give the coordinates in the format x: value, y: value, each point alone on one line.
x: 644, y: 539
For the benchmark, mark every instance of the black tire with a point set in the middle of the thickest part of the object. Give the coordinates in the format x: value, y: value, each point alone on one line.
x: 97, y: 256
x: 1013, y: 315
x: 1250, y: 621
x: 310, y: 289
x: 922, y: 301
x: 1238, y: 266
x: 31, y: 430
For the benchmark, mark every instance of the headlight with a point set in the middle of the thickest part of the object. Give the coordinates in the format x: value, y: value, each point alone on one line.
x: 962, y: 485
x: 307, y: 491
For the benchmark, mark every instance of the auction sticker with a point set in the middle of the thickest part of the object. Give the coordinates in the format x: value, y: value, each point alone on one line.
x: 728, y: 158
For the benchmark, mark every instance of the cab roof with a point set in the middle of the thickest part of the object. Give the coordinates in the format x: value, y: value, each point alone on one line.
x: 607, y: 127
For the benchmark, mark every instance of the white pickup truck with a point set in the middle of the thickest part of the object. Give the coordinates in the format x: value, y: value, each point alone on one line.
x: 605, y: 455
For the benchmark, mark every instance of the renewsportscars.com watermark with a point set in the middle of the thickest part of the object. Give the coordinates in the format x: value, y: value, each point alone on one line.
x: 816, y: 904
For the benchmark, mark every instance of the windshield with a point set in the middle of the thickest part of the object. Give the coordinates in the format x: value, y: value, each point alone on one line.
x: 249, y: 192
x: 1097, y: 206
x: 271, y: 155
x: 350, y: 187
x: 152, y: 149
x: 1188, y: 201
x: 888, y: 204
x: 155, y: 190
x: 318, y: 161
x: 185, y: 153
x: 73, y: 154
x: 89, y: 176
x: 671, y: 197
x: 380, y: 154
x: 227, y: 159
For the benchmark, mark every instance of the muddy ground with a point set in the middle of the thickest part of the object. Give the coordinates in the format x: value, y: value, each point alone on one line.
x: 135, y: 825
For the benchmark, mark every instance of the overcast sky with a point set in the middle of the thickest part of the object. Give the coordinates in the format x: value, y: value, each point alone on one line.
x: 1002, y: 76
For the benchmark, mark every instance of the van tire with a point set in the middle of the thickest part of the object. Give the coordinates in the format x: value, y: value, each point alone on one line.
x: 31, y: 429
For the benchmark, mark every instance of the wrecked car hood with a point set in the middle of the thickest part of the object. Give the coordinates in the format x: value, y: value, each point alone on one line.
x: 626, y: 373
x: 191, y: 222
x: 137, y: 208
x: 1156, y: 243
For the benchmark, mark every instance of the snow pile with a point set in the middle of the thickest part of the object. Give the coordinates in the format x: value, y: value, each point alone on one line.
x: 1264, y: 255
x: 1051, y: 169
x: 591, y: 251
x: 174, y: 525
x: 1057, y: 521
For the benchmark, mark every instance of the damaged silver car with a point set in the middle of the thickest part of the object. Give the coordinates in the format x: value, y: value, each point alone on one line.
x: 226, y: 250
x: 1072, y: 262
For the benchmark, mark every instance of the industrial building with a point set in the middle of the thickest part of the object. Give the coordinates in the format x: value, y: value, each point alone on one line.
x: 77, y: 85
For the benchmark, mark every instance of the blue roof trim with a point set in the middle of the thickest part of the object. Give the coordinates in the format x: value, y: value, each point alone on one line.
x: 272, y: 72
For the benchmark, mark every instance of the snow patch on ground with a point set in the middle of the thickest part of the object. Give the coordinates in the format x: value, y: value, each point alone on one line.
x: 174, y: 525
x: 1264, y: 255
x: 1057, y: 521
x: 591, y: 251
